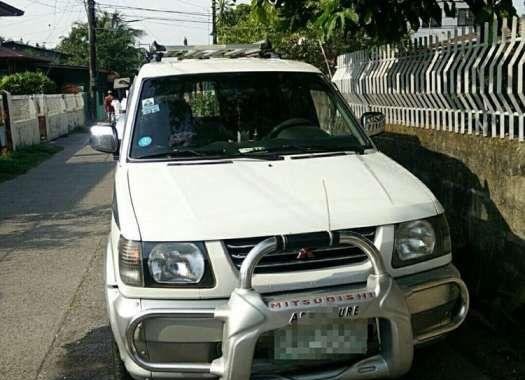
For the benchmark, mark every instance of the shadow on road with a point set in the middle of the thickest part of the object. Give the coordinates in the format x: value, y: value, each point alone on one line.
x: 61, y: 232
x: 87, y: 358
x: 58, y: 184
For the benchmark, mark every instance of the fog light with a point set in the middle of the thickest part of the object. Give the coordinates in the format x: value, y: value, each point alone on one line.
x: 430, y: 298
x: 437, y: 309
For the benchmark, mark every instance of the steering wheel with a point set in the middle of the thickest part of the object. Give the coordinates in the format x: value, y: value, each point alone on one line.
x: 293, y: 122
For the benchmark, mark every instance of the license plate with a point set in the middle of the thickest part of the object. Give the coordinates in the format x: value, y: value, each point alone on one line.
x: 320, y: 338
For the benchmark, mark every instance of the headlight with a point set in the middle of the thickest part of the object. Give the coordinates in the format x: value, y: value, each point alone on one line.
x: 176, y: 263
x: 415, y: 239
x: 164, y: 264
x: 420, y: 240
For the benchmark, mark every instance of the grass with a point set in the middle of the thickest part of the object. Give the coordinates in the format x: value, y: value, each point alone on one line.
x: 20, y: 161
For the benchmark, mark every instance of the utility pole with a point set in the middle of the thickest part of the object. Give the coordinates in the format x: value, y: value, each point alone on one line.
x: 90, y: 9
x: 214, y: 20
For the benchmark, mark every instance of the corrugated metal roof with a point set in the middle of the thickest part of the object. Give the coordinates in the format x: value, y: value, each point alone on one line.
x: 18, y: 55
x: 8, y: 10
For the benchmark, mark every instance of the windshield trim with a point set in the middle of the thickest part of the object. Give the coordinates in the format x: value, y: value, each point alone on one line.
x: 368, y: 145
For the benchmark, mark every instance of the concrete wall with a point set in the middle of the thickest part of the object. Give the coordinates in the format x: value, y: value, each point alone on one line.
x: 58, y: 114
x: 3, y: 137
x: 54, y: 110
x: 481, y: 183
x: 75, y: 110
x: 23, y: 121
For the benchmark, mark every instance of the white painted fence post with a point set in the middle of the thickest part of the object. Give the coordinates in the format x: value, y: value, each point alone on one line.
x: 470, y: 82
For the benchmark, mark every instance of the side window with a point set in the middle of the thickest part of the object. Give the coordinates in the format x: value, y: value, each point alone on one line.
x: 330, y: 118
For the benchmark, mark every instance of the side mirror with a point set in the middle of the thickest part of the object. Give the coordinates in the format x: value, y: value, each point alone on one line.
x: 373, y: 123
x: 104, y: 138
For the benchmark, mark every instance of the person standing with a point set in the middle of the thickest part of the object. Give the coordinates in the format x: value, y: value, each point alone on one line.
x: 108, y: 107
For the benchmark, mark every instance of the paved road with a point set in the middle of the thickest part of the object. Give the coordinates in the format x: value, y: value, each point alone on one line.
x: 53, y: 226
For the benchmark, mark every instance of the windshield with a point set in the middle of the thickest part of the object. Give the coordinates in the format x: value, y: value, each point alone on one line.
x: 242, y: 114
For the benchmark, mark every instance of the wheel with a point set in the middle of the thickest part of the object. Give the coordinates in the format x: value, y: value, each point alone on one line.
x: 119, y: 370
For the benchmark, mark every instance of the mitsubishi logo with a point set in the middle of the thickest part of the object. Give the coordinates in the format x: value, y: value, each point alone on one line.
x: 305, y: 253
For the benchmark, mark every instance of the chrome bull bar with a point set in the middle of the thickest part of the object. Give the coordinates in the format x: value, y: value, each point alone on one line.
x: 247, y: 316
x: 283, y: 243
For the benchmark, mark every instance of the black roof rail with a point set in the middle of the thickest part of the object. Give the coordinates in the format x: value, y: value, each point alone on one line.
x: 261, y: 49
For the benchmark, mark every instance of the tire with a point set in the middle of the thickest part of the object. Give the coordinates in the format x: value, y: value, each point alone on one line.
x: 119, y: 370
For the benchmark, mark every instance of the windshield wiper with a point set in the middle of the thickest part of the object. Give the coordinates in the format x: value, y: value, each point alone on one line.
x: 348, y: 148
x: 174, y: 153
x: 212, y: 154
x: 308, y: 149
x: 258, y: 156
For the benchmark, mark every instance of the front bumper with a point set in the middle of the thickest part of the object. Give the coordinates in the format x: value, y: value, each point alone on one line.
x: 411, y: 310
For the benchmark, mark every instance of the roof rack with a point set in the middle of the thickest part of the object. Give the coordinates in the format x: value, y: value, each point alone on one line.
x: 261, y: 49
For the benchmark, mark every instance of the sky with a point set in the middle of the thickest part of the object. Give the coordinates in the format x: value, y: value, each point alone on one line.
x: 47, y: 21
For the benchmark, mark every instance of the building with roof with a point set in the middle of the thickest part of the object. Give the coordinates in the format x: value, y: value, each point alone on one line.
x: 16, y: 57
x: 463, y: 18
x: 7, y: 10
x: 12, y: 61
x: 36, y: 51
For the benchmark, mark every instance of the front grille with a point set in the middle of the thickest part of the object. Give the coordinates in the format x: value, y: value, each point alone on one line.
x: 288, y: 261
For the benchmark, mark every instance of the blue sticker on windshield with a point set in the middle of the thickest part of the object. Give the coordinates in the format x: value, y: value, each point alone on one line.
x: 145, y: 141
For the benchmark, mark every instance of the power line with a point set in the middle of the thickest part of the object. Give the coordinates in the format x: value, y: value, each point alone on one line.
x: 153, y: 10
x: 56, y: 23
x: 190, y: 3
x: 170, y: 24
x: 138, y: 18
x: 44, y: 4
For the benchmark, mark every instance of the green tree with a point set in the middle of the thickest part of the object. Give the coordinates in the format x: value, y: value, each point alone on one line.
x: 487, y: 10
x: 374, y: 21
x: 240, y: 25
x: 27, y: 83
x: 296, y: 27
x: 248, y: 24
x: 116, y: 45
x: 223, y: 8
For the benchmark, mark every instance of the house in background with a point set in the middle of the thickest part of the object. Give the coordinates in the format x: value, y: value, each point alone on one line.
x: 12, y: 61
x: 463, y: 18
x: 7, y: 10
x: 17, y: 57
x: 36, y: 51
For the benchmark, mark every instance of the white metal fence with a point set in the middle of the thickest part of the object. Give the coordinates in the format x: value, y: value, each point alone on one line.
x: 471, y: 82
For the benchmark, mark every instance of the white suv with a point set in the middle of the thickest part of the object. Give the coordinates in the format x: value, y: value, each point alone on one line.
x: 257, y: 232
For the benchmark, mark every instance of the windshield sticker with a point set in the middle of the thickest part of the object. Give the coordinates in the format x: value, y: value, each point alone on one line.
x: 149, y: 106
x: 150, y: 109
x: 148, y: 102
x: 145, y: 141
x: 252, y: 149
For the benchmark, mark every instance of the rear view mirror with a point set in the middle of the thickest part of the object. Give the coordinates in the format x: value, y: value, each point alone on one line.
x: 373, y: 123
x: 104, y: 138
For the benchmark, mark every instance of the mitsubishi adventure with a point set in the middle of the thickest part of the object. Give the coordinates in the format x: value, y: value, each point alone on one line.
x: 258, y: 233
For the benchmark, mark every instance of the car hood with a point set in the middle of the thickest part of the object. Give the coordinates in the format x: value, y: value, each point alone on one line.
x: 187, y: 201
